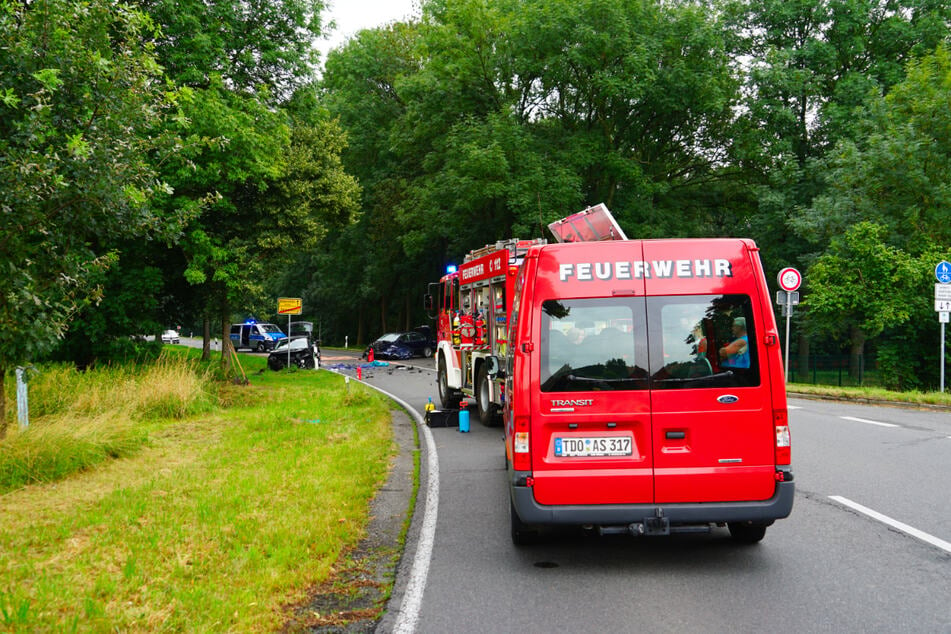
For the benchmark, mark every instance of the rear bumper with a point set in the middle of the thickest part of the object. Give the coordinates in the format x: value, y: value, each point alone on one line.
x: 760, y: 511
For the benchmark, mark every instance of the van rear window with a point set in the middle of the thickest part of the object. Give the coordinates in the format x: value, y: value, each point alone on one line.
x: 592, y: 344
x: 702, y: 341
x: 697, y: 341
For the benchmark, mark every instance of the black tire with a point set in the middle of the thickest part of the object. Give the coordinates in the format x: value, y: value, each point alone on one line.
x: 427, y: 352
x: 275, y: 364
x: 448, y: 398
x: 488, y: 411
x: 309, y: 363
x: 522, y: 534
x: 262, y: 347
x: 746, y: 533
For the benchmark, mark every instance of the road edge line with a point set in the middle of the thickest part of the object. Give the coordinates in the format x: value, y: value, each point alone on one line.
x: 412, y: 603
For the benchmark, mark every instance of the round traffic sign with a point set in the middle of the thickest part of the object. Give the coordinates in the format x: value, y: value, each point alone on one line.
x: 943, y: 272
x: 789, y: 279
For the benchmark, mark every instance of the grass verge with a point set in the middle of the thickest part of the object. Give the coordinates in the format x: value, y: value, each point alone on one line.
x: 872, y: 394
x: 222, y: 513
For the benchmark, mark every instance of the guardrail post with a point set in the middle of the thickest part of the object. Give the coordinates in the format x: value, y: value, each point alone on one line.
x: 23, y: 406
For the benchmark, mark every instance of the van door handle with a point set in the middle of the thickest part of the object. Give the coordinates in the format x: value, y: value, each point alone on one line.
x: 676, y: 435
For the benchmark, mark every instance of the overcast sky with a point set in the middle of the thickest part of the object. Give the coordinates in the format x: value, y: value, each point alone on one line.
x: 353, y: 15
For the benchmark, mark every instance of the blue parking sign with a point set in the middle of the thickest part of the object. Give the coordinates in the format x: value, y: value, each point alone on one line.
x: 943, y: 272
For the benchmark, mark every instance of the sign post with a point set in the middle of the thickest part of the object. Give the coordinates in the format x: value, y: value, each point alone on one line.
x: 289, y: 306
x: 942, y: 304
x: 789, y: 280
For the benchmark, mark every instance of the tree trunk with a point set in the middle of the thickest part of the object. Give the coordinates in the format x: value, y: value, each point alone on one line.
x: 226, y: 348
x: 205, y: 339
x: 857, y: 338
x: 382, y: 315
x: 409, y: 312
x: 802, y: 365
x: 3, y: 402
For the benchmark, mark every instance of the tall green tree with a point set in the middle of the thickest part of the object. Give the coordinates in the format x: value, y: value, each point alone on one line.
x: 82, y: 107
x: 269, y: 177
x: 860, y: 287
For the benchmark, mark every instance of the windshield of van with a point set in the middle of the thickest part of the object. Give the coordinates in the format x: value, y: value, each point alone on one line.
x: 591, y: 344
x: 270, y: 328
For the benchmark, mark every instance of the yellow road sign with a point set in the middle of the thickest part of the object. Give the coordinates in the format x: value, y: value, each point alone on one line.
x: 289, y: 305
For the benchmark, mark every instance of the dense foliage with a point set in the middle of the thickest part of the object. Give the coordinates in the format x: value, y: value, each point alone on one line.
x: 219, y: 172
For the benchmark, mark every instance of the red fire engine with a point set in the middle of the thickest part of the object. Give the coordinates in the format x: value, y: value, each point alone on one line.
x: 475, y: 307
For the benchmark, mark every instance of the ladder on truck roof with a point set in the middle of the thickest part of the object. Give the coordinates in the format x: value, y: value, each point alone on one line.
x: 516, y: 248
x: 594, y: 224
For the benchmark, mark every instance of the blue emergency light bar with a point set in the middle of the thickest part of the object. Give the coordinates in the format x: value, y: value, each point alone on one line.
x: 451, y: 268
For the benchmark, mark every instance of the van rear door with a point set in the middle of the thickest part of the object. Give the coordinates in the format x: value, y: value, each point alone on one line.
x: 712, y: 418
x: 591, y: 428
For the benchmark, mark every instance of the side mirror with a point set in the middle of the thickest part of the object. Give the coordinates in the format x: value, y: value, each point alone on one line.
x: 492, y: 366
x: 428, y: 303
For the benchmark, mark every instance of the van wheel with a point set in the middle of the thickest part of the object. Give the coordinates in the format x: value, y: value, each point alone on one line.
x: 487, y: 409
x: 448, y: 397
x: 262, y: 347
x: 522, y: 535
x: 746, y: 533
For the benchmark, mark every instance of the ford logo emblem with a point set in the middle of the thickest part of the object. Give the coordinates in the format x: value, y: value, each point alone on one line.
x: 726, y: 399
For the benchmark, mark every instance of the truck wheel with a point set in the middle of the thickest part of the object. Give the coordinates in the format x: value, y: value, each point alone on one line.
x: 487, y: 409
x: 522, y: 535
x: 746, y: 533
x: 448, y: 397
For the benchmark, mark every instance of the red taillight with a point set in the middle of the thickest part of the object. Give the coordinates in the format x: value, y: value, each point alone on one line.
x: 783, y: 439
x: 521, y: 447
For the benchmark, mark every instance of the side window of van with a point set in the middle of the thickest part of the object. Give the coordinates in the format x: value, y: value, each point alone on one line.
x: 702, y: 341
x: 592, y: 344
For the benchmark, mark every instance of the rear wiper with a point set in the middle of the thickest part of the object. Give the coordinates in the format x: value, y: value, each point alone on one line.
x: 588, y: 379
x: 694, y: 378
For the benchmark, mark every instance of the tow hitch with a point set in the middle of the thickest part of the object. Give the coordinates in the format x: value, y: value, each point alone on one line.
x: 655, y: 526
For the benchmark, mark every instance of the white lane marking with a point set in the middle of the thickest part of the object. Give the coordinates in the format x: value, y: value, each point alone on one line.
x: 867, y: 422
x: 408, y: 616
x: 905, y: 528
x: 412, y: 603
x: 793, y: 407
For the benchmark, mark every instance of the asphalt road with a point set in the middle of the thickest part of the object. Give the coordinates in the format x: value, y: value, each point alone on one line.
x: 827, y: 568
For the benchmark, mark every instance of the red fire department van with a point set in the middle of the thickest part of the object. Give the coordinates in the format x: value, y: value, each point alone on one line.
x: 639, y: 382
x: 644, y: 391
